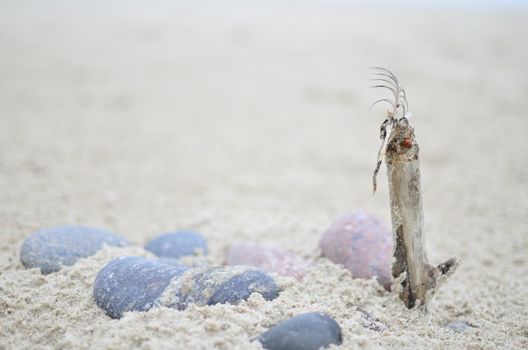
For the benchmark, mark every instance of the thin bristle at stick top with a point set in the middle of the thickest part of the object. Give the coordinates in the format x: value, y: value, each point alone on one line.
x: 415, y: 279
x: 398, y: 94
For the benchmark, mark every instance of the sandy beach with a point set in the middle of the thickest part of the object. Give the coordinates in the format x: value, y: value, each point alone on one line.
x: 246, y: 122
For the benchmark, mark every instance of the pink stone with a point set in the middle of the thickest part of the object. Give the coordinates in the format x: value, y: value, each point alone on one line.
x: 362, y: 244
x: 267, y: 257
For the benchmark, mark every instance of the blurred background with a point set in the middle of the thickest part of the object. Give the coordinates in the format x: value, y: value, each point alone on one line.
x: 246, y: 119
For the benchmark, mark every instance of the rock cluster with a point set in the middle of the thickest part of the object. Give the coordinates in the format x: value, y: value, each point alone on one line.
x: 358, y: 241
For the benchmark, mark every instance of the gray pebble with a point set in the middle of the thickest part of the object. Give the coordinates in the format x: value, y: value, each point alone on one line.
x: 132, y: 283
x: 178, y: 244
x: 186, y: 261
x: 458, y: 326
x: 242, y: 285
x: 309, y: 331
x: 51, y: 248
x: 138, y: 284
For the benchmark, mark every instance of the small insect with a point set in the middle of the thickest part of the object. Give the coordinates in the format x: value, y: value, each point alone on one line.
x: 399, y: 114
x: 407, y: 142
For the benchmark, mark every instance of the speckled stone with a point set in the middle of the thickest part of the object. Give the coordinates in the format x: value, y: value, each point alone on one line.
x: 362, y: 244
x: 137, y: 284
x: 178, y: 244
x: 51, y: 248
x: 267, y: 257
x: 218, y: 285
x: 309, y: 331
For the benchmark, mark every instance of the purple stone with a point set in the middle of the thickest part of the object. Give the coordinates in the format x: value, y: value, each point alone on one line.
x: 269, y: 258
x: 362, y: 244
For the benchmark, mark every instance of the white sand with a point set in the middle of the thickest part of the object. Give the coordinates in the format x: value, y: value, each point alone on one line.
x: 248, y: 123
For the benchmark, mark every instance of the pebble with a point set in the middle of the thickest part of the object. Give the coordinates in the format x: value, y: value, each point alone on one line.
x: 458, y: 326
x: 309, y: 331
x: 132, y: 283
x: 137, y: 284
x: 178, y: 244
x: 51, y: 248
x: 362, y: 244
x: 267, y: 257
x: 188, y: 261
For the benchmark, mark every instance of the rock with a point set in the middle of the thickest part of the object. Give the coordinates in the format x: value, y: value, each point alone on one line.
x: 51, y: 248
x: 309, y: 331
x: 132, y: 283
x: 269, y: 258
x: 218, y: 285
x: 458, y: 326
x: 187, y: 261
x: 137, y: 284
x: 178, y: 244
x: 362, y: 244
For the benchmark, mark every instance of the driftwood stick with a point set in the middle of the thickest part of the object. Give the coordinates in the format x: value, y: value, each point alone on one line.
x: 410, y: 267
x: 403, y: 171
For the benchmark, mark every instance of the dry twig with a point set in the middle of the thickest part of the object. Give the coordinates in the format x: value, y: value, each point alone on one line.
x: 410, y: 267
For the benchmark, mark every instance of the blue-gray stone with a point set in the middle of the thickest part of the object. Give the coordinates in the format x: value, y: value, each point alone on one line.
x: 51, y: 248
x: 200, y: 262
x: 177, y: 244
x: 240, y: 287
x: 132, y: 283
x: 137, y: 284
x: 172, y: 261
x: 458, y: 326
x: 310, y: 331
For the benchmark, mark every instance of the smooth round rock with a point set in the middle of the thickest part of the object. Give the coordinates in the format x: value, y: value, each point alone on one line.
x: 137, y: 284
x: 178, y: 244
x: 362, y: 244
x: 51, y: 248
x: 309, y: 331
x: 267, y: 257
x: 132, y: 283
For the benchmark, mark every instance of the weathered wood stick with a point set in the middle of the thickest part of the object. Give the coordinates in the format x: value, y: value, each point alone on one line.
x: 410, y: 267
x: 410, y: 258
